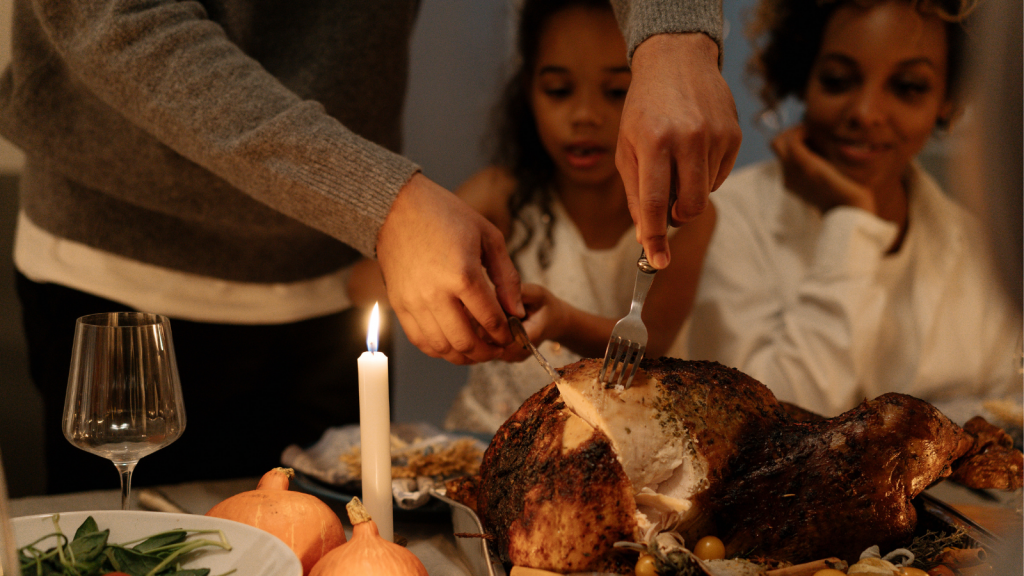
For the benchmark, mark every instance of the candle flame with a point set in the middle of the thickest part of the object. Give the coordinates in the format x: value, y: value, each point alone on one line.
x: 373, y: 330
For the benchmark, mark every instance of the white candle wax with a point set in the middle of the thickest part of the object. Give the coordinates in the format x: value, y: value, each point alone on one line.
x: 375, y: 432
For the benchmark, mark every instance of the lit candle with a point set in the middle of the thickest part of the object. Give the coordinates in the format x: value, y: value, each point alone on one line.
x: 375, y: 431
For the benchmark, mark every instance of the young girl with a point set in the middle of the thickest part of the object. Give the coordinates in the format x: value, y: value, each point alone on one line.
x: 555, y: 193
x: 841, y: 271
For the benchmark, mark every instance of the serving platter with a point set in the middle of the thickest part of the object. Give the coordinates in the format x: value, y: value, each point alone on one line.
x: 933, y: 514
x: 337, y: 498
x: 326, y: 469
x: 253, y: 552
x: 474, y: 550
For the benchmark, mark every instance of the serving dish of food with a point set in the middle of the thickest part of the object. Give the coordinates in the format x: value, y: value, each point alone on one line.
x: 135, y: 542
x: 585, y: 478
x: 422, y: 457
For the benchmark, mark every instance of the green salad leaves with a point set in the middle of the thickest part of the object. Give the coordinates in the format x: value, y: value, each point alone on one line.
x: 89, y: 553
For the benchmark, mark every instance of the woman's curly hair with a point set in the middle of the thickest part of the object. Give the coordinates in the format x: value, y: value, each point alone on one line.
x: 787, y: 36
x: 517, y: 145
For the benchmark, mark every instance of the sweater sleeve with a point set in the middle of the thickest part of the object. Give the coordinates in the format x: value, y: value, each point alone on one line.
x: 165, y: 67
x: 804, y: 346
x: 641, y: 19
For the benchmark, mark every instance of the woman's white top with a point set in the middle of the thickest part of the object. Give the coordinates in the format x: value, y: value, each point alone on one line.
x: 813, y: 306
x: 596, y: 281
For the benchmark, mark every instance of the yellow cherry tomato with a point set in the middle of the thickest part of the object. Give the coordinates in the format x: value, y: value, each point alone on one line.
x: 645, y: 566
x: 709, y: 548
x: 829, y: 572
x: 911, y: 571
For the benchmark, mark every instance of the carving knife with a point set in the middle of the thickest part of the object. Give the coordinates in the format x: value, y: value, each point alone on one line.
x: 520, y: 335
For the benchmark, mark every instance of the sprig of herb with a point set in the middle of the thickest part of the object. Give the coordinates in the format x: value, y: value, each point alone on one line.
x: 926, y: 546
x: 89, y: 553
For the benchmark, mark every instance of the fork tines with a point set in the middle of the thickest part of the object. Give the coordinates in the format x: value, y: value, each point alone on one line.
x: 624, y: 357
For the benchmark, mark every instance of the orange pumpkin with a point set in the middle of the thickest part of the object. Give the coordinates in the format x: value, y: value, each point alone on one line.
x: 307, y: 525
x: 368, y: 553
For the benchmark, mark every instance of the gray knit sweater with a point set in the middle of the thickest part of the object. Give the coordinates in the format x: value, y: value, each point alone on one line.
x: 248, y: 140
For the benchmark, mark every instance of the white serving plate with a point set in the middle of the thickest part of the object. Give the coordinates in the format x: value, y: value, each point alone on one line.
x: 253, y: 551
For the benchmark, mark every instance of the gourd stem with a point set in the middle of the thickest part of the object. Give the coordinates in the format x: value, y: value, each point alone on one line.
x: 357, y: 513
x: 289, y: 472
x: 276, y: 479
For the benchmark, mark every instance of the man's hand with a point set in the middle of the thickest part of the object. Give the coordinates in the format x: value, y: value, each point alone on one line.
x: 814, y: 179
x: 436, y: 254
x: 679, y: 133
x: 545, y: 320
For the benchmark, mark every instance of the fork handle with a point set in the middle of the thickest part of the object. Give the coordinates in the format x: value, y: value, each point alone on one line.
x: 644, y: 265
x: 642, y: 286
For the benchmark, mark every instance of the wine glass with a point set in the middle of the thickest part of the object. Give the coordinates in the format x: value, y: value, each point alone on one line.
x: 124, y: 396
x: 8, y: 548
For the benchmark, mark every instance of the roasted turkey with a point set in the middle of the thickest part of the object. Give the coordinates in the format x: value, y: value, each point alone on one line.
x: 698, y: 448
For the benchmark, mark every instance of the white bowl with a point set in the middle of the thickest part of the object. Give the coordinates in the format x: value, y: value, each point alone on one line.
x: 253, y: 551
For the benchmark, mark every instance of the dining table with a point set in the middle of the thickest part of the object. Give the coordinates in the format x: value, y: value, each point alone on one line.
x: 431, y: 536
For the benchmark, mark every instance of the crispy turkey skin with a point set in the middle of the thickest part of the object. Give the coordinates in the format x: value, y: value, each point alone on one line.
x: 838, y: 486
x: 552, y: 493
x: 699, y: 448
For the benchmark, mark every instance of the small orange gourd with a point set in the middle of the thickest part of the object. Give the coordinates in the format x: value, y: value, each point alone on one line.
x: 307, y: 525
x: 367, y: 553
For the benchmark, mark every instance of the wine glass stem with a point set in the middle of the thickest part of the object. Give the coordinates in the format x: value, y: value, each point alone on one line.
x: 126, y: 468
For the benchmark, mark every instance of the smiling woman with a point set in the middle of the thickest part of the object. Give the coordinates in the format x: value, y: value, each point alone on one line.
x: 874, y: 96
x: 841, y: 271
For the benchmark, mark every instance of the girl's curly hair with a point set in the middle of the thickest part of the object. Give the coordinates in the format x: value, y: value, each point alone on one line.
x: 787, y: 36
x: 517, y: 145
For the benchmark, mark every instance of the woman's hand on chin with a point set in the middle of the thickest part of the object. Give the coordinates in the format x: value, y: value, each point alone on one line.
x: 814, y: 178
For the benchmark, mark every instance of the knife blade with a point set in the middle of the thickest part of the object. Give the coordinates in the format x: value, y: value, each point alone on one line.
x: 519, y: 332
